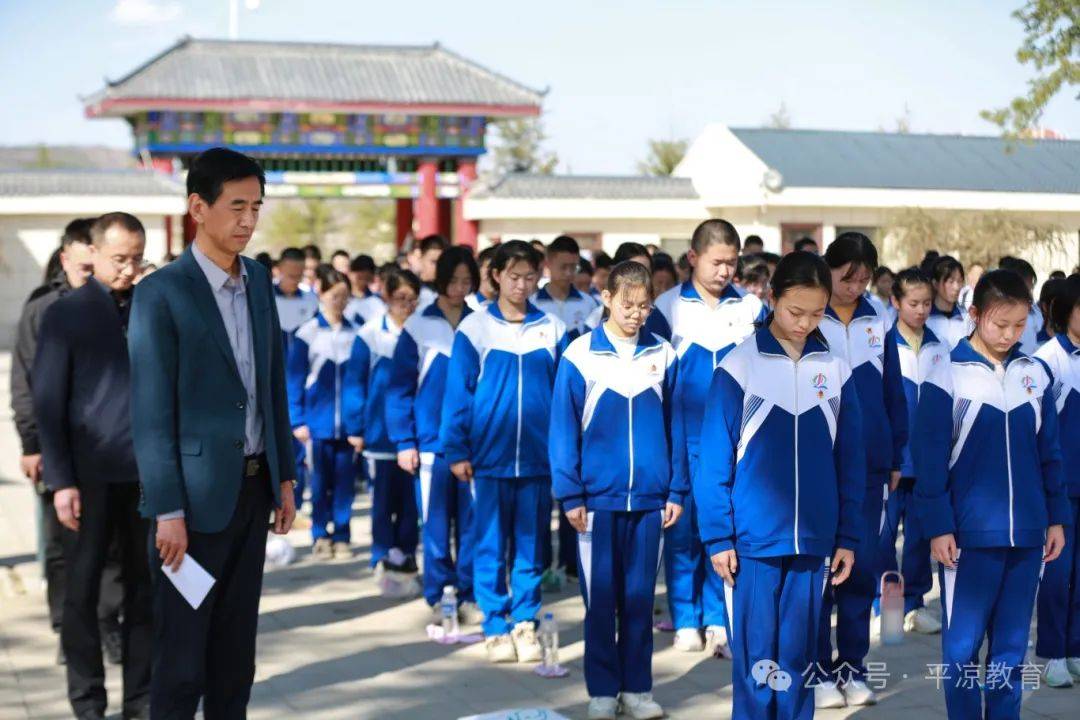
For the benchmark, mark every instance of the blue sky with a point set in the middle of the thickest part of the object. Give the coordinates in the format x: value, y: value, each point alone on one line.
x: 618, y: 72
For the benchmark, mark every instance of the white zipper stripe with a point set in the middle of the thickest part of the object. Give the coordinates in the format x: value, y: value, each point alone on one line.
x: 1008, y: 453
x: 630, y: 425
x: 795, y: 368
x: 517, y: 449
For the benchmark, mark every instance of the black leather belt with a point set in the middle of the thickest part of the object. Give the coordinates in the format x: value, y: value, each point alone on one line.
x: 254, y: 465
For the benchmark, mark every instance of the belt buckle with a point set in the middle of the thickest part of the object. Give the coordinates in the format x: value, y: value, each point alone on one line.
x: 251, y: 467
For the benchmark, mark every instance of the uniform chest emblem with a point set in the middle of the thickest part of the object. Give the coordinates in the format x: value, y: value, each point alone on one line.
x: 1029, y: 384
x: 820, y: 383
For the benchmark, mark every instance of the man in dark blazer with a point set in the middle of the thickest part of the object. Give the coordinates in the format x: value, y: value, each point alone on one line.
x: 81, y: 393
x: 212, y: 439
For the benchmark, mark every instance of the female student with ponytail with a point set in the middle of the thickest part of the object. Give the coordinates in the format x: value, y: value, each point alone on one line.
x: 989, y: 495
x: 780, y: 489
x: 494, y: 433
x: 612, y: 470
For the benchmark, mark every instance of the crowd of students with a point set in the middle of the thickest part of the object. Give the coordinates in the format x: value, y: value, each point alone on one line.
x: 760, y: 425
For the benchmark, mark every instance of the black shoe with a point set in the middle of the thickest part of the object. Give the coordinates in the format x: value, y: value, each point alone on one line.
x: 140, y: 714
x: 406, y: 567
x: 113, y: 646
x: 61, y: 658
x: 90, y: 715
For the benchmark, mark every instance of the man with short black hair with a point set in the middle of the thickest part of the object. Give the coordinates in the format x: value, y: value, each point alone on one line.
x: 312, y: 261
x: 752, y: 245
x: 806, y: 244
x: 423, y: 260
x: 212, y: 439
x: 364, y: 304
x: 559, y: 297
x: 81, y: 393
x: 340, y: 261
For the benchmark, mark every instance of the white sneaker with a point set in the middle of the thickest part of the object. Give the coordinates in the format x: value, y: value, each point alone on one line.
x: 525, y: 642
x: 641, y: 706
x: 1057, y: 674
x: 500, y: 649
x: 603, y: 708
x: 716, y: 642
x: 1073, y: 664
x: 827, y: 695
x: 688, y: 640
x: 469, y: 613
x: 920, y: 620
x: 857, y: 693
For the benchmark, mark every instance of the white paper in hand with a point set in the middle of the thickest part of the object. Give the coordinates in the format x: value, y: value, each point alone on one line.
x: 191, y: 580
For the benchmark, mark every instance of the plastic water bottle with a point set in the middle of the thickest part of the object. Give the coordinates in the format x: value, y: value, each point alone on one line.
x: 549, y: 641
x: 892, y: 608
x: 449, y: 607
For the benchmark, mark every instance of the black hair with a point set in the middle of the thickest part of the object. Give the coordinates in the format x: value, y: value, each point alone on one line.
x: 663, y: 261
x: 77, y: 231
x: 881, y: 272
x: 265, y: 260
x: 395, y: 278
x: 756, y: 274
x: 537, y: 245
x: 804, y: 242
x: 327, y: 277
x: 312, y: 252
x: 433, y: 242
x: 907, y: 279
x: 513, y: 251
x: 602, y: 261
x: 107, y: 221
x: 944, y: 267
x: 362, y: 263
x: 683, y: 263
x: 54, y: 271
x: 563, y: 244
x: 629, y: 274
x: 291, y: 253
x: 712, y: 232
x: 755, y: 239
x: 1049, y: 294
x: 1056, y: 275
x: 449, y: 261
x: 631, y: 250
x: 1066, y: 301
x: 584, y: 266
x: 486, y: 254
x: 851, y: 247
x: 211, y: 169
x: 1019, y: 266
x: 998, y: 286
x: 770, y: 258
x: 801, y: 270
x: 339, y: 253
x: 927, y: 263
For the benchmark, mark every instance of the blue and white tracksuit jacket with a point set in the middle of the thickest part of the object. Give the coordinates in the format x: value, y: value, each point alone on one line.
x: 496, y: 415
x: 611, y: 452
x: 950, y: 328
x: 782, y: 484
x: 915, y: 564
x: 293, y: 311
x: 701, y: 336
x: 1059, y: 599
x: 326, y: 374
x: 988, y: 464
x: 360, y: 310
x: 414, y: 402
x: 573, y: 311
x: 1029, y: 340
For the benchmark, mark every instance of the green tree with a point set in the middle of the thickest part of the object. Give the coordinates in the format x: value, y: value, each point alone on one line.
x: 1052, y: 46
x: 307, y: 222
x: 370, y: 229
x: 663, y: 156
x: 519, y: 147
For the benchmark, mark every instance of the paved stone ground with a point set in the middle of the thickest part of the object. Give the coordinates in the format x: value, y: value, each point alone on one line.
x: 331, y: 647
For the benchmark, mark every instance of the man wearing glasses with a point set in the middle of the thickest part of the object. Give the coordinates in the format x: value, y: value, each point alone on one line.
x: 81, y: 394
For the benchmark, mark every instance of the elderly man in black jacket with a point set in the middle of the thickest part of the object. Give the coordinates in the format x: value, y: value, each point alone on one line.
x: 82, y: 390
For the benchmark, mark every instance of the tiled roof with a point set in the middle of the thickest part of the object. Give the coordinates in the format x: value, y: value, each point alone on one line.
x: 592, y: 187
x: 29, y: 183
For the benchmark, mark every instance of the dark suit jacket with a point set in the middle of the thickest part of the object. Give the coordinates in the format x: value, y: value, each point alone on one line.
x: 82, y: 391
x: 188, y: 402
x: 22, y: 360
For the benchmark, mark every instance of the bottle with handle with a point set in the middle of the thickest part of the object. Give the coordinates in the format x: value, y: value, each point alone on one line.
x: 448, y: 606
x: 892, y: 608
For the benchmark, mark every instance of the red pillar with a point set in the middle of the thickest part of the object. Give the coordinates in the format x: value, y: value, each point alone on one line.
x: 427, y: 205
x: 465, y: 231
x: 404, y: 216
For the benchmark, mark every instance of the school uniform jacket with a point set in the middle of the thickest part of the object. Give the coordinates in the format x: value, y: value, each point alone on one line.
x: 1063, y: 359
x: 784, y: 472
x: 294, y: 310
x: 914, y: 368
x: 986, y: 452
x: 573, y: 311
x: 701, y: 336
x: 610, y: 442
x: 498, y: 392
x: 380, y: 336
x: 326, y: 372
x: 951, y: 327
x: 414, y: 398
x: 361, y: 310
x: 875, y: 367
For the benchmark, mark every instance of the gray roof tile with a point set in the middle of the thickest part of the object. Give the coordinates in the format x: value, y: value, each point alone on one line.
x: 319, y: 72
x: 29, y: 183
x: 825, y: 158
x: 592, y: 187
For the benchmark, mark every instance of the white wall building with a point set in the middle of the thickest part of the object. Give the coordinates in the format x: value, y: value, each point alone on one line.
x: 36, y: 205
x: 786, y: 184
